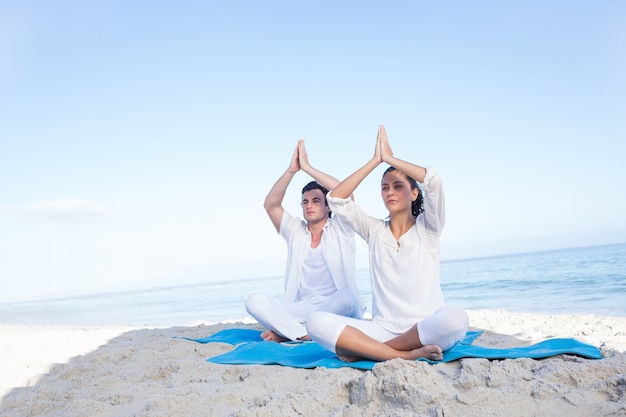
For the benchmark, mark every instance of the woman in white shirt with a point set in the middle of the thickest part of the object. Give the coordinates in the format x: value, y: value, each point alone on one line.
x: 410, y: 317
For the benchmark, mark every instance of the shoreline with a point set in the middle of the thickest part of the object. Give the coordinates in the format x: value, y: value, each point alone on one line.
x: 130, y: 368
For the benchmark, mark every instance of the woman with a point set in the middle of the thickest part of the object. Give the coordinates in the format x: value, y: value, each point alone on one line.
x: 410, y: 318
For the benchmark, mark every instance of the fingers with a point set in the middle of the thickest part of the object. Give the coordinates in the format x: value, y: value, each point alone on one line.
x: 382, y: 133
x: 377, y: 150
x: 301, y: 147
x: 385, y: 149
x: 294, y: 165
x: 303, y: 157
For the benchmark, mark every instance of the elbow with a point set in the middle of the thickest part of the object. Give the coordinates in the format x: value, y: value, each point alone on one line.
x: 269, y: 204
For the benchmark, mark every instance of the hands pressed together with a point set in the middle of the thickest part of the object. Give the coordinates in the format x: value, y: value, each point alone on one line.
x: 299, y: 159
x: 383, y: 152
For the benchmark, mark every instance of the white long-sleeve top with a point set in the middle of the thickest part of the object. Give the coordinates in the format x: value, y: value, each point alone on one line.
x: 404, y: 273
x: 338, y: 250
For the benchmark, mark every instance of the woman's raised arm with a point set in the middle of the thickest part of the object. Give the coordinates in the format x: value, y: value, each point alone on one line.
x: 348, y: 185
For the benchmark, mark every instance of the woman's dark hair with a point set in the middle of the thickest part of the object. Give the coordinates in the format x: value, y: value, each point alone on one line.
x: 314, y: 185
x: 417, y: 206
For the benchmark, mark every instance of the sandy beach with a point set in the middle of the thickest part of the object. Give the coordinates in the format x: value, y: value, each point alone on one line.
x: 127, y: 371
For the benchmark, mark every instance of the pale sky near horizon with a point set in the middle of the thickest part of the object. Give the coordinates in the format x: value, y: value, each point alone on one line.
x: 139, y: 139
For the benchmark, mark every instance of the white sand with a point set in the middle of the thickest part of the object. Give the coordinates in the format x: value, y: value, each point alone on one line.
x: 120, y: 371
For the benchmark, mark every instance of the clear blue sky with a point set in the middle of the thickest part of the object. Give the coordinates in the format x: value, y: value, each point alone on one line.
x: 138, y: 139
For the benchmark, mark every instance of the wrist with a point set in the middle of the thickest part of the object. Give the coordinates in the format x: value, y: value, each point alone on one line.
x: 389, y: 160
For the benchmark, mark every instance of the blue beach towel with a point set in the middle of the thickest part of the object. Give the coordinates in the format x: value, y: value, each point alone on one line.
x: 232, y: 336
x: 251, y: 351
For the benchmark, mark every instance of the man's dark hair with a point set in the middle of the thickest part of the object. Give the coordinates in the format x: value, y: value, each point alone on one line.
x: 314, y: 185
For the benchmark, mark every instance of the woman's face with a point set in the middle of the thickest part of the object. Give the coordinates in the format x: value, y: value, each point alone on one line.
x: 396, y: 192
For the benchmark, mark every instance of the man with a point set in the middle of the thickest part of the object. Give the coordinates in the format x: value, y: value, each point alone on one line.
x: 319, y: 274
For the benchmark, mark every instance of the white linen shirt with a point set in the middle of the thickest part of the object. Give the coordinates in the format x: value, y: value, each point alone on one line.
x: 338, y: 249
x: 404, y: 273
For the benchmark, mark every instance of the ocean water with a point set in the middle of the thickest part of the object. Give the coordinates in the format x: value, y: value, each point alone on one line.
x: 588, y: 280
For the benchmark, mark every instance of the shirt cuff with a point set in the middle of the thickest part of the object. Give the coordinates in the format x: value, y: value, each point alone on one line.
x: 338, y: 201
x: 431, y: 175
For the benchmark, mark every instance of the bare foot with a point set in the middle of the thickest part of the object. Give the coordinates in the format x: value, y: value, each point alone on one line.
x: 305, y: 338
x: 432, y: 352
x: 272, y: 336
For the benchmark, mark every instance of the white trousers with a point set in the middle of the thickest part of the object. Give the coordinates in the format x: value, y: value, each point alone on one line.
x: 444, y: 328
x: 288, y: 318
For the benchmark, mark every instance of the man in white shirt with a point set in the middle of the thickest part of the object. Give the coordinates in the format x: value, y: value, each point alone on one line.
x: 320, y: 267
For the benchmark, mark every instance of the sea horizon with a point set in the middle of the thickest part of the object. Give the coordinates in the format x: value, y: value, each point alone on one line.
x: 580, y: 280
x: 263, y: 277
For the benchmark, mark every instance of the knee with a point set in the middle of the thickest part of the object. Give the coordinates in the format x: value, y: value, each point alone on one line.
x: 459, y: 319
x: 452, y: 320
x: 316, y: 322
x: 256, y: 303
x: 446, y: 327
x: 457, y: 323
x: 353, y: 309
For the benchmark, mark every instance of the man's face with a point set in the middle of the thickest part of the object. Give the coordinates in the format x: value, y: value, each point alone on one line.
x: 314, y: 206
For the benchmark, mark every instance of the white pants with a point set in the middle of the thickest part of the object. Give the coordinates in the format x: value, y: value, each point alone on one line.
x: 288, y: 318
x: 444, y: 328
